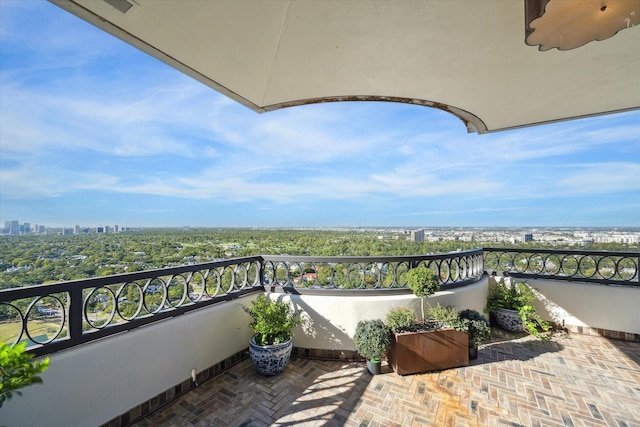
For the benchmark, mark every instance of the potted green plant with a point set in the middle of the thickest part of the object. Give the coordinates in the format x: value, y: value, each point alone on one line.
x: 372, y: 339
x: 272, y: 323
x: 511, y: 306
x: 425, y: 344
x: 477, y: 327
x: 470, y: 321
x: 18, y: 370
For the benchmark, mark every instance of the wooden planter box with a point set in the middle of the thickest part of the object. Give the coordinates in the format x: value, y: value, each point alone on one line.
x: 416, y: 352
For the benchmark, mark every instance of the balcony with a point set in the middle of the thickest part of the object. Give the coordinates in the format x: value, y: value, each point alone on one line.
x: 572, y: 380
x: 125, y: 345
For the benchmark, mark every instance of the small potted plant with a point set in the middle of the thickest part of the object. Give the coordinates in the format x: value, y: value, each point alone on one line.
x: 477, y: 327
x: 372, y: 339
x: 511, y: 306
x: 470, y: 321
x: 272, y: 323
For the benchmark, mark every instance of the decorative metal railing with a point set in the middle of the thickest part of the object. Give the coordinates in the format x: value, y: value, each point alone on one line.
x: 610, y: 268
x: 62, y: 315
x: 306, y: 274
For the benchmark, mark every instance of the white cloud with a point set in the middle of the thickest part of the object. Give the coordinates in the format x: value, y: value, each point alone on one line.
x: 601, y: 178
x: 463, y: 211
x: 113, y: 121
x: 28, y: 181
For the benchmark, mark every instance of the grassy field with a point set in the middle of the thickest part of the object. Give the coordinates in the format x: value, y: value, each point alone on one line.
x: 9, y: 331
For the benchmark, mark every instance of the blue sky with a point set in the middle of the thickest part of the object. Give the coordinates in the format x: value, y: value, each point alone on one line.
x: 94, y: 132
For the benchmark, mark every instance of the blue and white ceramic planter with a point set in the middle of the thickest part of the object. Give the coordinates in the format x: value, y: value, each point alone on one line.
x: 508, y: 320
x: 270, y: 359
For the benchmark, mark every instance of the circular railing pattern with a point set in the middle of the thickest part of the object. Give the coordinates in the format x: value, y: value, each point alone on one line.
x: 43, y: 319
x: 38, y: 321
x: 68, y: 313
x: 600, y: 267
x: 366, y: 273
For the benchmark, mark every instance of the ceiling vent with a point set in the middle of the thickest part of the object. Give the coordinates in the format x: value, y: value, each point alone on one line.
x: 122, y: 5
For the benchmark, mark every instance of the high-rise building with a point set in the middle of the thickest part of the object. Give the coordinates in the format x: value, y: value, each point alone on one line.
x: 527, y: 237
x: 417, y: 235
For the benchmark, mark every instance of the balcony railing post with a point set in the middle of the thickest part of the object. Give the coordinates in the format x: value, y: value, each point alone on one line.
x: 75, y: 314
x: 261, y: 272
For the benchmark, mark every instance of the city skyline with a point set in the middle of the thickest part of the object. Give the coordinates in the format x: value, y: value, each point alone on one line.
x: 579, y: 236
x: 16, y: 227
x: 111, y: 133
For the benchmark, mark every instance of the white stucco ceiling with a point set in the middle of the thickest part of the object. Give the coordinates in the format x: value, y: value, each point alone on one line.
x: 466, y: 56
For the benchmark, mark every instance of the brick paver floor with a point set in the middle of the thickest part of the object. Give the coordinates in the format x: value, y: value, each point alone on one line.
x: 570, y: 380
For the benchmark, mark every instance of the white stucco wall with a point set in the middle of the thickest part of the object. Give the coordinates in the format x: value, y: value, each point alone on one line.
x: 334, y: 318
x: 616, y: 308
x: 91, y: 384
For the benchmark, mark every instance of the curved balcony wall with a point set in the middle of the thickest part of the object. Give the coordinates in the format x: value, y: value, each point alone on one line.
x: 589, y: 308
x: 333, y: 318
x: 90, y: 384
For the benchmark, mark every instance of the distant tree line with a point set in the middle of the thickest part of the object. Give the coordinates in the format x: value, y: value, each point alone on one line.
x: 38, y: 259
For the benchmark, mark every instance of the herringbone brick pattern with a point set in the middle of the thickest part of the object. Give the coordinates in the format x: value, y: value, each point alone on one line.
x: 571, y: 380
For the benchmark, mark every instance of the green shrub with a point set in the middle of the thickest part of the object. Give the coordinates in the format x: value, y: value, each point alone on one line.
x: 401, y: 319
x: 18, y: 370
x: 423, y: 282
x: 512, y: 297
x: 372, y: 339
x: 476, y: 325
x: 444, y: 314
x: 273, y: 321
x: 518, y: 297
x: 467, y: 320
